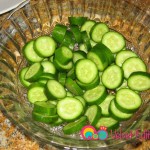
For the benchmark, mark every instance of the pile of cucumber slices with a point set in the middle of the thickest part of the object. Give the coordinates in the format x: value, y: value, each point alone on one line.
x: 83, y: 74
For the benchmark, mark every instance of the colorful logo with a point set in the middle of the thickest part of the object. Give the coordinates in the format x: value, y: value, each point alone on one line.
x: 90, y: 133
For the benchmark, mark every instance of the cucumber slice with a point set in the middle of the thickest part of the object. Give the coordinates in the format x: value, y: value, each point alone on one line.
x: 69, y: 108
x: 62, y: 67
x: 48, y: 67
x: 73, y: 87
x: 83, y: 48
x: 133, y: 64
x: 85, y: 70
x: 86, y: 39
x: 98, y: 56
x: 30, y: 53
x: 58, y: 122
x: 69, y: 94
x: 92, y: 43
x: 87, y: 26
x: 22, y: 75
x: 44, y: 108
x: 123, y: 85
x: 108, y: 122
x: 34, y: 72
x: 76, y: 32
x: 105, y: 105
x: 71, y: 73
x: 36, y: 92
x: 62, y: 78
x: 79, y: 21
x: 76, y: 126
x: 95, y: 95
x: 82, y: 100
x: 78, y: 55
x: 112, y: 77
x: 59, y: 32
x: 124, y: 55
x: 93, y: 113
x: 97, y: 31
x: 47, y: 76
x: 63, y: 55
x: 54, y: 90
x: 139, y: 81
x: 117, y: 114
x: 45, y: 46
x: 91, y: 85
x: 114, y: 41
x: 43, y: 118
x: 127, y: 100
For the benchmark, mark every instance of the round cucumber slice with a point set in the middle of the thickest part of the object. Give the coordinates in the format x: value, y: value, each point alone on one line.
x: 76, y: 126
x: 127, y: 100
x: 69, y: 108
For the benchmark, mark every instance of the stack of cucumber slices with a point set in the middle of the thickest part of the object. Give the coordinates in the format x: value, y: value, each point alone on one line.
x: 71, y: 72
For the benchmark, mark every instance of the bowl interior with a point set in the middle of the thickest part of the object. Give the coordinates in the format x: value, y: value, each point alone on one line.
x: 39, y: 18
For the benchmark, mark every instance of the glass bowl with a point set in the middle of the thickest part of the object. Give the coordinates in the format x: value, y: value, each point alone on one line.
x: 39, y: 18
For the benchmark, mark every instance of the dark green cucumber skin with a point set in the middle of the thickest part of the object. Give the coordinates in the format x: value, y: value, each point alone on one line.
x: 79, y: 21
x: 76, y: 32
x: 81, y: 123
x: 124, y: 109
x: 71, y: 73
x: 140, y: 73
x: 47, y: 76
x: 106, y: 52
x: 73, y: 87
x: 97, y: 116
x: 86, y: 39
x: 59, y: 32
x: 62, y: 77
x: 68, y: 40
x: 97, y: 49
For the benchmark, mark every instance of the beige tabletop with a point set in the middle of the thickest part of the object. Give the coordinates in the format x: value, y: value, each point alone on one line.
x: 11, y: 138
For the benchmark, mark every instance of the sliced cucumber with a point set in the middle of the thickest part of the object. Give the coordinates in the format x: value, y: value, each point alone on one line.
x: 98, y: 57
x: 62, y: 78
x: 36, y: 92
x: 71, y: 73
x: 87, y: 26
x: 82, y: 100
x: 86, y: 39
x: 86, y: 70
x: 63, y: 55
x: 22, y: 76
x: 127, y: 100
x: 91, y: 85
x: 79, y: 21
x: 44, y: 108
x: 73, y: 87
x: 93, y: 113
x: 78, y: 55
x: 54, y: 90
x: 95, y: 95
x: 76, y: 126
x: 97, y: 31
x: 58, y: 122
x: 139, y: 81
x: 133, y: 64
x: 30, y: 53
x: 112, y: 77
x: 114, y: 41
x: 45, y: 46
x: 117, y: 114
x: 69, y: 108
x: 43, y: 118
x: 48, y: 67
x: 124, y: 55
x: 108, y: 122
x: 105, y: 105
x: 34, y: 72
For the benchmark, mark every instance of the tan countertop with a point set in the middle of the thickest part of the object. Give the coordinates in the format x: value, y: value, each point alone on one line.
x: 11, y: 138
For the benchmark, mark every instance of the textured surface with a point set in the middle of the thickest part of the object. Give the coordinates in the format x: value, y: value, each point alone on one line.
x: 11, y: 138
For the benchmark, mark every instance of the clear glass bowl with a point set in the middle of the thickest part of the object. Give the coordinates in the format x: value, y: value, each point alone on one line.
x: 39, y: 18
